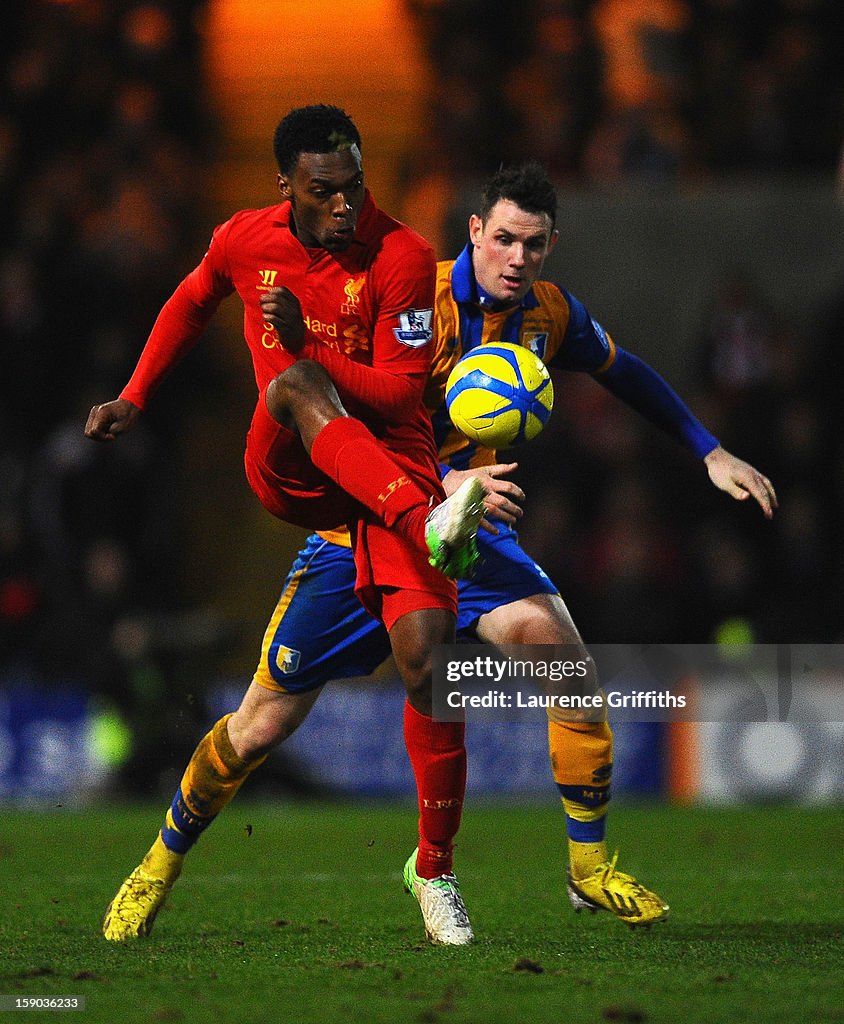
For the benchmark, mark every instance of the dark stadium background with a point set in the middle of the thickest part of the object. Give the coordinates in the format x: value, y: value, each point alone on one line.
x: 697, y: 149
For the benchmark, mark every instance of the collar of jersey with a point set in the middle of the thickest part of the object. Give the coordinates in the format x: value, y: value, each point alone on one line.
x: 465, y: 287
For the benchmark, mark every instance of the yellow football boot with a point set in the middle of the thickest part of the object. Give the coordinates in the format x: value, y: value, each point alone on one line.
x: 620, y: 894
x: 132, y: 912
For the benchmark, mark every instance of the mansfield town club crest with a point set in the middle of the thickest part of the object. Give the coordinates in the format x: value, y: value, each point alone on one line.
x: 414, y: 329
x: 352, y: 289
x: 536, y: 343
x: 287, y: 659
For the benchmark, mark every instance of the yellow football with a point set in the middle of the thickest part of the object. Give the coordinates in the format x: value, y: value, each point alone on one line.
x: 499, y: 395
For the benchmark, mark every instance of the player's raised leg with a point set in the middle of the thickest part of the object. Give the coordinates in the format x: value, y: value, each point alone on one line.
x: 304, y: 398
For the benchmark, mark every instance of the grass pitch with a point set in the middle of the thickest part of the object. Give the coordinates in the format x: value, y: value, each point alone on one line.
x: 296, y: 913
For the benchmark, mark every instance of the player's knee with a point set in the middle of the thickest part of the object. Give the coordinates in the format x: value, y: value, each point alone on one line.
x: 303, y: 399
x: 296, y: 385
x: 536, y: 625
x: 540, y: 625
x: 255, y: 730
x: 413, y: 638
x: 414, y: 666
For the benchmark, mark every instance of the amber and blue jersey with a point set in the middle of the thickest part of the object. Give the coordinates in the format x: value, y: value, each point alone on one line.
x: 319, y: 630
x: 558, y: 328
x: 550, y: 322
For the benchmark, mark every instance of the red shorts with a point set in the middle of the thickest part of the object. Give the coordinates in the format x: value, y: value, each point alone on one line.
x: 393, y: 574
x: 287, y: 483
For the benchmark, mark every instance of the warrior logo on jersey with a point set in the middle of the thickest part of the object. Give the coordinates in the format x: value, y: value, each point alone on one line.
x: 414, y: 329
x: 352, y: 289
x: 287, y: 659
x: 536, y: 343
x: 267, y: 279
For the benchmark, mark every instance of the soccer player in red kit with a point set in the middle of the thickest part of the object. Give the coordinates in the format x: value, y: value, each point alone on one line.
x: 338, y: 304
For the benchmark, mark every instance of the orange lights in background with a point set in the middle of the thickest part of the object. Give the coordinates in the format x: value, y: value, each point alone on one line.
x: 265, y: 58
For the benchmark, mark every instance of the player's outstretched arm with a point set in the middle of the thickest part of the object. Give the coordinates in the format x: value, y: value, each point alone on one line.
x: 501, y: 495
x: 106, y: 422
x: 740, y: 480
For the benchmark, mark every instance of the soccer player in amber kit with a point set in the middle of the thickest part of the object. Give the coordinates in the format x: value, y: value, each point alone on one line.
x: 338, y: 304
x: 493, y: 292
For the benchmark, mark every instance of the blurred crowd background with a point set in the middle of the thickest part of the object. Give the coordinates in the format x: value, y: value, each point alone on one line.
x: 607, y: 91
x: 108, y: 142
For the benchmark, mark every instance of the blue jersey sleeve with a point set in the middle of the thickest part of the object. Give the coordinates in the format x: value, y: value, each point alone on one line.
x: 642, y: 388
x: 586, y: 346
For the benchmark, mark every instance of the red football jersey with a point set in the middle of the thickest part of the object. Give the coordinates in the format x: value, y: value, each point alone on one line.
x: 372, y: 303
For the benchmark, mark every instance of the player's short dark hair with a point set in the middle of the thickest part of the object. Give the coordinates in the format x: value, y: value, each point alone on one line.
x: 527, y: 185
x: 319, y: 128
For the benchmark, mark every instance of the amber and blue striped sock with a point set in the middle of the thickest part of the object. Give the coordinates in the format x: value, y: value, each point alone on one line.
x: 581, y: 760
x: 213, y: 776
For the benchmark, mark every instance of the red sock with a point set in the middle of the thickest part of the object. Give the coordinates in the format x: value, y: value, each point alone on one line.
x: 438, y: 756
x: 347, y: 452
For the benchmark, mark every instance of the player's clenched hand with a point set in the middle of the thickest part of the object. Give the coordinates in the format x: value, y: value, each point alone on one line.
x: 501, y: 495
x: 108, y: 421
x: 281, y: 309
x: 741, y: 480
